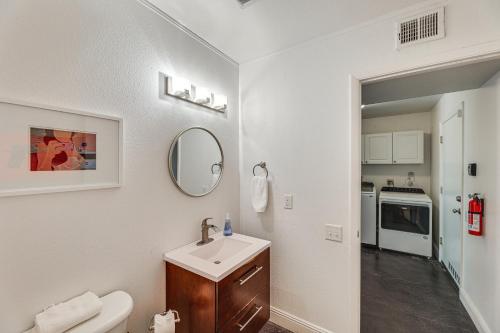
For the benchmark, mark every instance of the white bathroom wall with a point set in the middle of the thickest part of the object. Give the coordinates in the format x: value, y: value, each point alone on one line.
x: 481, y: 255
x: 295, y: 115
x: 105, y: 57
x: 379, y: 174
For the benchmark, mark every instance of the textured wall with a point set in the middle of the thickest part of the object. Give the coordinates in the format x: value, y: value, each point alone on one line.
x: 104, y: 57
x: 295, y: 114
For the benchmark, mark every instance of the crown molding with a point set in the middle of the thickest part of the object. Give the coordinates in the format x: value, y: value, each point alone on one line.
x: 187, y: 31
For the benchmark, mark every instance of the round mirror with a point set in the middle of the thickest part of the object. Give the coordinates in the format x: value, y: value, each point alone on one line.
x: 196, y: 161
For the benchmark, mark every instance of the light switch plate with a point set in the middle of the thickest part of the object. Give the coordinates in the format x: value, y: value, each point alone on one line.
x: 333, y: 232
x: 288, y: 201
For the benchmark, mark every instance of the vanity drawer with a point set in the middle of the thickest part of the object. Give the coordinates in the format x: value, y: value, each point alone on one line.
x: 242, y: 286
x: 251, y: 319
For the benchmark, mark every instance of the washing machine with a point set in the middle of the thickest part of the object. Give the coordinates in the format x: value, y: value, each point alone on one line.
x: 368, y: 214
x: 405, y: 220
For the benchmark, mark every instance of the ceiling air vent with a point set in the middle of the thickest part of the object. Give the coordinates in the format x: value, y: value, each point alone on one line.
x: 424, y: 27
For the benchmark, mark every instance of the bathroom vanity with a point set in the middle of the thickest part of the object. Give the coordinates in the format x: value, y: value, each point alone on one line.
x: 222, y: 286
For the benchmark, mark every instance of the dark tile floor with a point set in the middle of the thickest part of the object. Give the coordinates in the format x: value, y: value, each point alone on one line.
x: 408, y: 294
x: 273, y: 328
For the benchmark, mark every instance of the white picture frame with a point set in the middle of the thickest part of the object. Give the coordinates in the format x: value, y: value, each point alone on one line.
x: 16, y: 175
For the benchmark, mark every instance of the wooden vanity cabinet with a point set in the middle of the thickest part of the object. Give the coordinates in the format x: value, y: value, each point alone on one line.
x: 238, y: 303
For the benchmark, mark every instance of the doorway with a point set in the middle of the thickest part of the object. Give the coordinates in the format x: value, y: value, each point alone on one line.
x: 447, y: 212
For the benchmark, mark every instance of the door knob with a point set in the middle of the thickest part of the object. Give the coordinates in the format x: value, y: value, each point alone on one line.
x: 456, y: 211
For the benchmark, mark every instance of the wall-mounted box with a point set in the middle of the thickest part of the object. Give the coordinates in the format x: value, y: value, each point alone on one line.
x: 472, y: 169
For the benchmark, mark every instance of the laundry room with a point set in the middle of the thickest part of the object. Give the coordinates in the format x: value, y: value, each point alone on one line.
x: 423, y: 194
x: 397, y: 159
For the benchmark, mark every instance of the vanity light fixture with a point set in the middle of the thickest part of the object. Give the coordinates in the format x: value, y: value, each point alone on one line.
x: 185, y: 90
x: 179, y: 87
x: 203, y: 96
x: 219, y: 102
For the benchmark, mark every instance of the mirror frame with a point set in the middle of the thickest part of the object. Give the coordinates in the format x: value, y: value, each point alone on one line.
x: 171, y: 171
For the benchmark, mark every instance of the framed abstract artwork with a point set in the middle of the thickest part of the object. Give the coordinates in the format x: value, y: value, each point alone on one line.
x: 46, y: 149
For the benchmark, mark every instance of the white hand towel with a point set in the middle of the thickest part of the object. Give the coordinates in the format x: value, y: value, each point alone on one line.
x: 164, y: 324
x: 63, y: 316
x: 259, y: 193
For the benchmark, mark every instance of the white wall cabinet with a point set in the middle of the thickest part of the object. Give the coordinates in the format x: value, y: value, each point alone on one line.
x: 408, y: 147
x: 378, y: 148
x: 393, y: 148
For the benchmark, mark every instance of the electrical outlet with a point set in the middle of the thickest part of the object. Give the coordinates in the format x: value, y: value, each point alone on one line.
x: 288, y: 204
x: 333, y: 232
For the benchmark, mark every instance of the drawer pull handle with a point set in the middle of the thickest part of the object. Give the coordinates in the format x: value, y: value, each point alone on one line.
x: 245, y: 280
x: 242, y: 327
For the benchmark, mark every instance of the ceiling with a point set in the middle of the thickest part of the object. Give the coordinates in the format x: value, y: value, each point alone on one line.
x: 442, y: 81
x: 405, y: 106
x: 420, y: 92
x: 263, y: 27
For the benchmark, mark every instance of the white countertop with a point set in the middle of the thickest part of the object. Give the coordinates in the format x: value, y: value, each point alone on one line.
x: 216, y: 272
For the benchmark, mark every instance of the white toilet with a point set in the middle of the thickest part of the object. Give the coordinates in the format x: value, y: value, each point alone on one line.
x: 116, y: 308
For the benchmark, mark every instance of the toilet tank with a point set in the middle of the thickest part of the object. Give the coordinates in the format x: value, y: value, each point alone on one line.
x: 116, y: 308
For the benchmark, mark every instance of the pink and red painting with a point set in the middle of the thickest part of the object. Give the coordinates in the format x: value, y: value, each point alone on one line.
x: 60, y: 150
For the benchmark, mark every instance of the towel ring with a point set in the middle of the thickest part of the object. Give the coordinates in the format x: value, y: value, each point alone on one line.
x: 263, y: 166
x: 177, y: 319
x: 219, y: 164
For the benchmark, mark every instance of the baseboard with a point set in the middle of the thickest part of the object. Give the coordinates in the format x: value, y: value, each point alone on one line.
x: 294, y: 323
x: 474, y: 313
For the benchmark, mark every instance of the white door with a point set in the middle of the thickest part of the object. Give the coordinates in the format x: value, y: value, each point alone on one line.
x: 408, y: 147
x: 378, y: 148
x: 451, y: 197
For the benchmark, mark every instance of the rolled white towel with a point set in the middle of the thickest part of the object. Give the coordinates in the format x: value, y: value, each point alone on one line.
x: 259, y: 193
x: 164, y: 323
x: 61, y: 317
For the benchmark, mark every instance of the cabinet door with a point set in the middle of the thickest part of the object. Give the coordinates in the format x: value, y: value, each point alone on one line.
x: 378, y: 148
x: 408, y: 147
x: 251, y: 318
x: 240, y: 287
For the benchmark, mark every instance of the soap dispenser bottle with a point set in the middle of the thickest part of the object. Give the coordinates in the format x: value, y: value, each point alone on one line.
x: 228, y: 230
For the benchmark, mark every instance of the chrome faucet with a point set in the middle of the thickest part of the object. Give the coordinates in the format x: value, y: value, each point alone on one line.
x: 205, y: 227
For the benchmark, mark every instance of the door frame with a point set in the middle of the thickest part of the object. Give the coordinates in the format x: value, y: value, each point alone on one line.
x: 355, y: 81
x: 462, y: 206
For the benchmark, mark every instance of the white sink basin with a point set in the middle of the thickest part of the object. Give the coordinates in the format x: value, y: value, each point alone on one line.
x: 221, y: 249
x: 219, y: 258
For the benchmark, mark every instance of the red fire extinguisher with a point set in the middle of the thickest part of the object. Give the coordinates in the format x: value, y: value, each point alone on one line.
x: 475, y: 215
